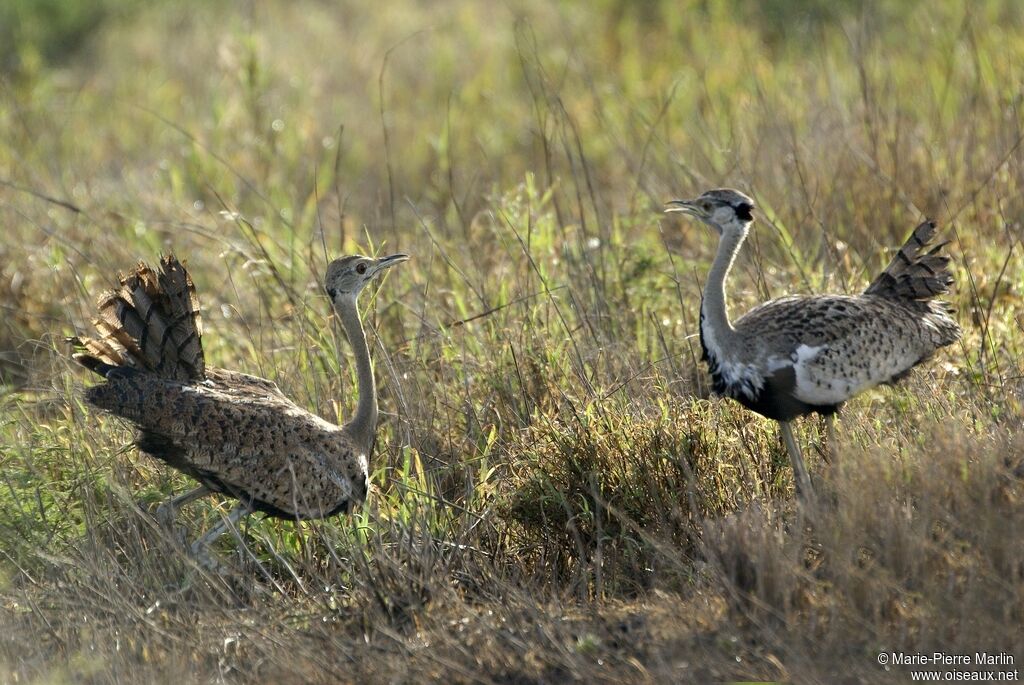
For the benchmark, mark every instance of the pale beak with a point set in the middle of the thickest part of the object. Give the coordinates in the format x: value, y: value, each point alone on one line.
x: 389, y: 261
x: 683, y: 206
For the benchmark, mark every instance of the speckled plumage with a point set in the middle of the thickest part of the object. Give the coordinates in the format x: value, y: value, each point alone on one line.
x: 234, y: 433
x: 240, y: 437
x: 804, y: 354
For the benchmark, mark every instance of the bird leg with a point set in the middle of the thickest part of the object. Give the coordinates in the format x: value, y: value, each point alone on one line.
x: 803, y: 481
x: 168, y: 511
x: 200, y: 548
x: 832, y: 452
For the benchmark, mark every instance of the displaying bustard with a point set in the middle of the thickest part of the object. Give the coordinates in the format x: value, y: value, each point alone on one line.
x: 810, y: 353
x: 234, y: 433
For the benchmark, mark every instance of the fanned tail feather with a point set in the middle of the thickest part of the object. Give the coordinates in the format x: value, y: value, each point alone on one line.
x: 915, y: 274
x: 186, y: 324
x: 151, y: 323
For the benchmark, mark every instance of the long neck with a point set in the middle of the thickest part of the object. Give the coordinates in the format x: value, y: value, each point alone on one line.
x: 363, y: 424
x: 718, y: 331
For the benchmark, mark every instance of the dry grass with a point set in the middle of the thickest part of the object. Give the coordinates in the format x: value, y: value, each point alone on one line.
x: 557, y: 498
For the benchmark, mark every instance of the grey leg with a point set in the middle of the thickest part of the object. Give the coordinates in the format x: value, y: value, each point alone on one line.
x: 833, y: 444
x: 200, y: 548
x: 168, y: 511
x: 803, y: 481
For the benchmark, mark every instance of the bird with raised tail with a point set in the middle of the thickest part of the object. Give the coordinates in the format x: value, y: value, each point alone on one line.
x: 805, y: 354
x: 236, y: 434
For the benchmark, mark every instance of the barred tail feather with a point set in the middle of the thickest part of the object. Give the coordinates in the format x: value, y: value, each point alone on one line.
x: 915, y: 274
x: 186, y: 323
x: 151, y: 323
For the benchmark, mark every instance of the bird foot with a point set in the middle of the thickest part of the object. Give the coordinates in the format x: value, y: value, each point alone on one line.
x: 208, y: 560
x: 824, y: 451
x: 165, y: 514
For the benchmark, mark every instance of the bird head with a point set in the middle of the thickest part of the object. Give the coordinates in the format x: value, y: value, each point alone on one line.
x: 726, y: 210
x: 347, y: 276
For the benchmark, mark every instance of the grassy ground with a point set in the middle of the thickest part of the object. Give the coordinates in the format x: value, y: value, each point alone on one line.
x: 556, y: 495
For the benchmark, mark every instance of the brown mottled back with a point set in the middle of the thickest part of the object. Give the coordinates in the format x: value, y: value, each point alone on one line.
x: 235, y: 433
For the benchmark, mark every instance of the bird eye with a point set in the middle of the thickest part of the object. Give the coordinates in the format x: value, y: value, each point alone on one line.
x: 361, y: 268
x: 705, y: 205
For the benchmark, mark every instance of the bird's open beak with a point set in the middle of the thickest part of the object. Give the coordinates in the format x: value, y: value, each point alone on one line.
x: 389, y: 261
x: 683, y: 206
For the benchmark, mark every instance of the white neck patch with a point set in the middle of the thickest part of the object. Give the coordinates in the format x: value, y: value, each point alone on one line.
x: 731, y: 378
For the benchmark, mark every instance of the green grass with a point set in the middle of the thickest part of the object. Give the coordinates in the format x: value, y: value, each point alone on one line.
x: 557, y: 496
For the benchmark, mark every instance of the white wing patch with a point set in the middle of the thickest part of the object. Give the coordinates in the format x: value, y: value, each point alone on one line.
x: 806, y: 353
x: 817, y: 384
x: 773, y: 364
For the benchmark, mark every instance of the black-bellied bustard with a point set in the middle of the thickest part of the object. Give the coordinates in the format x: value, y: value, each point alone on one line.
x: 806, y: 354
x: 234, y: 433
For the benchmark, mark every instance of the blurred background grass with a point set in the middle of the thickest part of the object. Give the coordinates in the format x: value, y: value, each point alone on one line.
x: 556, y: 496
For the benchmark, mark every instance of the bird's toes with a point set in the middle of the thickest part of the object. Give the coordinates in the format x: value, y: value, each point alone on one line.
x: 208, y: 560
x: 165, y: 514
x: 824, y: 451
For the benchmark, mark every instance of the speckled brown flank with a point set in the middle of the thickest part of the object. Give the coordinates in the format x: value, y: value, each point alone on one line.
x: 237, y: 434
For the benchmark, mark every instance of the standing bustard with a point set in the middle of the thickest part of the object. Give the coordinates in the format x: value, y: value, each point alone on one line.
x: 234, y: 433
x: 797, y: 355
